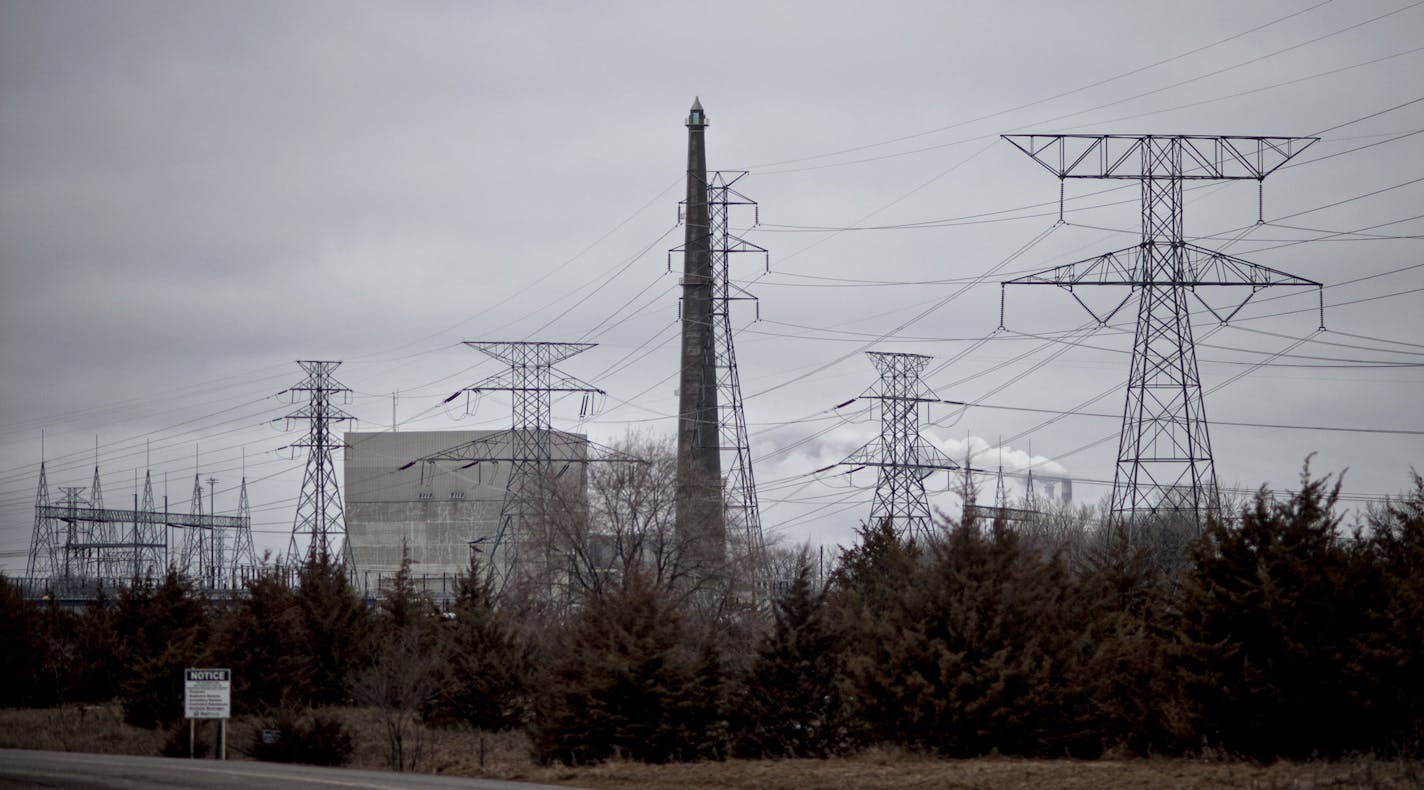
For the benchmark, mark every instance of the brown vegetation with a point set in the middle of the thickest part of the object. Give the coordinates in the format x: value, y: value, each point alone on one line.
x: 1281, y: 634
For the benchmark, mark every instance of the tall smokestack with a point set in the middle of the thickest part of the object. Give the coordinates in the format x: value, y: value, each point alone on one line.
x: 699, y: 522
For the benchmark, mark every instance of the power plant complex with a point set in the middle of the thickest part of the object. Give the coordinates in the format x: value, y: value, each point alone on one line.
x: 435, y: 499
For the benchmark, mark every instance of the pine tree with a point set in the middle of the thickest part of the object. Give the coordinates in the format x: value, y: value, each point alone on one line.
x: 485, y: 680
x: 1272, y: 614
x: 962, y: 653
x: 789, y: 703
x: 400, y: 680
x: 25, y: 650
x: 1122, y: 692
x: 1396, y: 654
x: 332, y: 641
x: 163, y: 630
x: 257, y: 639
x: 620, y: 683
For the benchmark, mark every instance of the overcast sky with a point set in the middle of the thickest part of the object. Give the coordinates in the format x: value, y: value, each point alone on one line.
x: 195, y: 195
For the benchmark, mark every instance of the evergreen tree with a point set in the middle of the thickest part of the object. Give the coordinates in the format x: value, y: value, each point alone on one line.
x: 1122, y: 692
x: 789, y: 703
x: 162, y: 630
x: 332, y: 641
x: 617, y: 688
x: 258, y: 638
x: 25, y: 650
x: 485, y: 680
x: 964, y: 653
x: 1397, y: 651
x: 1271, y: 619
x: 400, y: 680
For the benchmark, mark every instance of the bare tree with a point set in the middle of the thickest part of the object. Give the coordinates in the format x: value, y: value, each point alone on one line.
x: 402, y: 679
x: 592, y: 531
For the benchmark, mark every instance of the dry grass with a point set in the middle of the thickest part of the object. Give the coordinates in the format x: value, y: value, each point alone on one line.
x: 507, y: 756
x: 77, y: 728
x: 461, y: 752
x: 910, y: 772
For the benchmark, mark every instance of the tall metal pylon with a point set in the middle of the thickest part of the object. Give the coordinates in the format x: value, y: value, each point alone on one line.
x: 740, y: 507
x: 902, y: 456
x: 319, y: 527
x: 532, y: 381
x: 197, y: 561
x: 1164, y: 460
x: 75, y: 549
x: 44, y: 541
x: 244, y: 554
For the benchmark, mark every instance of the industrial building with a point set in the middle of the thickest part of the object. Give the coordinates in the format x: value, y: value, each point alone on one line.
x: 403, y: 490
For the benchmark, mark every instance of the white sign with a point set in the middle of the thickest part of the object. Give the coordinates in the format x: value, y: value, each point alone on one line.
x: 207, y: 693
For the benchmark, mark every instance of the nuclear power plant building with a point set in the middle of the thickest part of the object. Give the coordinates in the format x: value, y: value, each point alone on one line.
x: 439, y: 510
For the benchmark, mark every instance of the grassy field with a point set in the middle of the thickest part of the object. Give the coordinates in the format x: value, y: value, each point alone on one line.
x: 506, y: 756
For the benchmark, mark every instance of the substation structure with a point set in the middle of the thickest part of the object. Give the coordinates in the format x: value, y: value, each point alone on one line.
x: 79, y: 547
x: 1164, y: 464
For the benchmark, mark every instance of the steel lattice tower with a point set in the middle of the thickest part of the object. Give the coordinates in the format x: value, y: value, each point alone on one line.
x: 902, y: 456
x: 738, y: 501
x: 739, y: 486
x: 244, y: 554
x: 320, y: 520
x: 1164, y: 460
x: 198, y: 539
x: 532, y: 382
x: 44, y: 543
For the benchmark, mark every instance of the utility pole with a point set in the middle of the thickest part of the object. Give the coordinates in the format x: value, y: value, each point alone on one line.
x: 320, y: 521
x: 1164, y: 461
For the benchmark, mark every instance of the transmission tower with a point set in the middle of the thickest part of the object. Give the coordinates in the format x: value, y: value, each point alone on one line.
x: 44, y: 542
x: 902, y: 456
x: 198, y: 539
x: 738, y: 496
x: 244, y: 554
x: 1164, y: 460
x: 319, y: 528
x: 532, y: 444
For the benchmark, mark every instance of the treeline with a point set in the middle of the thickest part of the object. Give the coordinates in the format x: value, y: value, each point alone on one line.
x: 1281, y: 633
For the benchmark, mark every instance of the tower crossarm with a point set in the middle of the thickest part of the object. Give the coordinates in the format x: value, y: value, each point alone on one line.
x: 1135, y: 157
x: 506, y: 381
x: 1200, y: 267
x: 522, y: 352
x: 495, y: 448
x: 926, y: 459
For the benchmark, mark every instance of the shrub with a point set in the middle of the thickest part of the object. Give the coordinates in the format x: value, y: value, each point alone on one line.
x: 289, y: 737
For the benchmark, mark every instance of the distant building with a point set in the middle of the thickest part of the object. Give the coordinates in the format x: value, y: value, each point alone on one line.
x: 441, y: 511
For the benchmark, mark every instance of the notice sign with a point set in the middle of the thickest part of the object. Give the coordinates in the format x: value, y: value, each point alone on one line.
x: 207, y: 693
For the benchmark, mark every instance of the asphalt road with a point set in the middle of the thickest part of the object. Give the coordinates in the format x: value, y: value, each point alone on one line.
x: 24, y: 768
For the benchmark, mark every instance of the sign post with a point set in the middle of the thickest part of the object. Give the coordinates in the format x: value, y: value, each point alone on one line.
x: 207, y: 694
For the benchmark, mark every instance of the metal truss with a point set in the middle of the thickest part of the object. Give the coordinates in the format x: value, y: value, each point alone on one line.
x: 44, y: 541
x: 79, y: 544
x: 739, y: 496
x: 319, y: 526
x: 533, y: 445
x: 1164, y: 460
x: 902, y: 456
